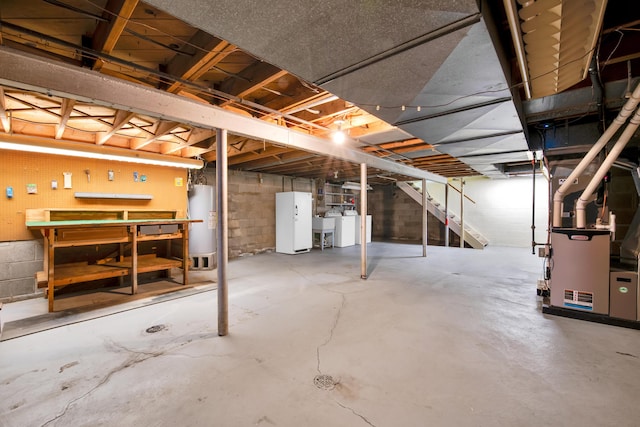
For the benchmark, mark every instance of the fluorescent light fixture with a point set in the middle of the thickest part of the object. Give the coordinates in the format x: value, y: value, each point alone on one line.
x: 101, y: 152
x: 349, y: 185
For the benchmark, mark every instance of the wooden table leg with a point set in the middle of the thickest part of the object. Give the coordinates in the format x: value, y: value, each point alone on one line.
x: 185, y: 254
x: 50, y: 262
x: 133, y: 231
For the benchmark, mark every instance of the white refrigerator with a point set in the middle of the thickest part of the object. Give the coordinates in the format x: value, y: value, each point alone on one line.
x: 293, y: 222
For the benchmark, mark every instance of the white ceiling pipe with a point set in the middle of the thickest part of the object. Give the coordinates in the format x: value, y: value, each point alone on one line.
x: 604, y: 168
x: 620, y: 119
x: 516, y: 35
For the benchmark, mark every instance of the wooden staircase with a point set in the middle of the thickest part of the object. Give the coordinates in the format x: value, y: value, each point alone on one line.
x: 471, y: 236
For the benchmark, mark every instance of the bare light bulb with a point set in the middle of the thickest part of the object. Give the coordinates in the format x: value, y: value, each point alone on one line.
x: 338, y: 137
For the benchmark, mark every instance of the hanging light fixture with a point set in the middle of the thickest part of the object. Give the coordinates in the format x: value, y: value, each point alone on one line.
x: 338, y: 136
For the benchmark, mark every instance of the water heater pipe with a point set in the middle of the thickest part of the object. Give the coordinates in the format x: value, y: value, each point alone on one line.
x: 604, y: 168
x: 620, y: 119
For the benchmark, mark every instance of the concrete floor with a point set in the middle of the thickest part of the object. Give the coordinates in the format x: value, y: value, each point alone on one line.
x: 454, y: 339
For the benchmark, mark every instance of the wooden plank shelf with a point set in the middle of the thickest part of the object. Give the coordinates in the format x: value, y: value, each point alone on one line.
x: 148, y: 263
x: 67, y: 274
x: 121, y: 196
x: 151, y: 237
x: 69, y: 244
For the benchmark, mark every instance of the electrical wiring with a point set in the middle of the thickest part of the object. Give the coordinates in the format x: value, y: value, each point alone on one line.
x: 150, y: 27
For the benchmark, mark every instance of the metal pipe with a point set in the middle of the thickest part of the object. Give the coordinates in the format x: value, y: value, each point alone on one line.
x: 446, y: 215
x: 533, y: 205
x: 598, y: 91
x: 221, y: 231
x: 462, y: 212
x: 621, y: 118
x: 516, y: 35
x: 604, y: 168
x: 425, y: 234
x: 363, y: 220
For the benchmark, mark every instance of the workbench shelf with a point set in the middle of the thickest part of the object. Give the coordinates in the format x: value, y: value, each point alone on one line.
x: 68, y: 274
x: 125, y: 234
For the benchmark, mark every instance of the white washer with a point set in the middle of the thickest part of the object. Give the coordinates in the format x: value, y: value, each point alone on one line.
x: 345, y: 234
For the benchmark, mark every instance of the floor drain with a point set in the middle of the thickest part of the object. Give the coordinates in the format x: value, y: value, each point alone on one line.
x: 324, y: 382
x: 155, y: 328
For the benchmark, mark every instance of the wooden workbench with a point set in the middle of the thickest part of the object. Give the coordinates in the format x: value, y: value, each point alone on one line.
x: 94, y: 232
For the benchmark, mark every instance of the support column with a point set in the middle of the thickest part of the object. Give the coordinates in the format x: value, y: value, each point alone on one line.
x: 222, y: 249
x: 462, y: 212
x: 363, y: 220
x: 446, y: 215
x: 425, y: 233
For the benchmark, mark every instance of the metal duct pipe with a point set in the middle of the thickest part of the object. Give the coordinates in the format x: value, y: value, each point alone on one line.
x: 621, y: 118
x: 604, y: 168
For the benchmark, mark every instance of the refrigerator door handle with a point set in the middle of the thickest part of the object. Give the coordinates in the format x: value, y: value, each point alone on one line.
x: 296, y: 214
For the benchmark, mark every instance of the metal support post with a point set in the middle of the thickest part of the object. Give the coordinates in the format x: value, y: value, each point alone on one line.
x: 222, y: 231
x: 446, y: 215
x: 462, y: 212
x: 425, y: 234
x: 363, y: 220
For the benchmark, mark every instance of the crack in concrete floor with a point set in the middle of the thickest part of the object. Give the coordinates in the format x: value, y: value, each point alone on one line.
x: 326, y: 342
x: 135, y: 358
x: 333, y: 328
x: 355, y: 413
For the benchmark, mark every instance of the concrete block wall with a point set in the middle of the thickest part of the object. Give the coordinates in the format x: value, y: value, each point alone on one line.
x: 396, y: 216
x: 252, y: 208
x: 19, y: 262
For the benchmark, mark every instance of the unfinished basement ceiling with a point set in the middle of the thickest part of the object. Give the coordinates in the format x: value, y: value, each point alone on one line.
x: 433, y: 85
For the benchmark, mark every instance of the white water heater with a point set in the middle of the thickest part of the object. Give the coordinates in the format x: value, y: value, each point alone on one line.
x: 202, y: 235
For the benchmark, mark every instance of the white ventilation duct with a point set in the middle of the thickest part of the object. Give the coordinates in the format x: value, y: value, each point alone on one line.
x: 622, y: 117
x: 559, y: 40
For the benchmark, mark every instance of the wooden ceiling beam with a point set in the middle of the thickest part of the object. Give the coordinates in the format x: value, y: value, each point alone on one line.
x: 212, y: 51
x: 163, y: 128
x: 121, y: 119
x: 311, y: 101
x: 281, y: 159
x: 255, y: 77
x: 257, y: 155
x: 106, y: 35
x: 4, y: 117
x: 65, y: 112
x: 196, y: 136
x: 396, y: 144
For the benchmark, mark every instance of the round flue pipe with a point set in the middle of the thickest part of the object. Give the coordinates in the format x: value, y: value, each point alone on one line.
x: 604, y: 168
x: 621, y: 118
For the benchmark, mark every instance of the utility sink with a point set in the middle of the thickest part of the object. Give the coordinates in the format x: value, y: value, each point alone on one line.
x: 323, y: 224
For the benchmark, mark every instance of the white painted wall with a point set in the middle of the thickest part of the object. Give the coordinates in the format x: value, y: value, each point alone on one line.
x: 502, y: 209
